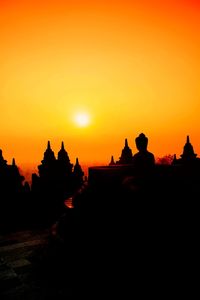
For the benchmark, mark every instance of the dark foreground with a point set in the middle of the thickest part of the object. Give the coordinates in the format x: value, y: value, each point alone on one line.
x: 20, y: 253
x: 124, y: 243
x: 115, y: 256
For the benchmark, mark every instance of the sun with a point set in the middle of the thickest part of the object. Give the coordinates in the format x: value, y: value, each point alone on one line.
x: 82, y: 119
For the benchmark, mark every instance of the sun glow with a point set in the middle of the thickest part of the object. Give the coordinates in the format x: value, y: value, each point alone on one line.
x: 92, y: 73
x: 82, y: 119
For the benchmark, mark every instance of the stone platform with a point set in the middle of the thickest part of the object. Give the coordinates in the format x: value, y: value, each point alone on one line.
x: 19, y: 257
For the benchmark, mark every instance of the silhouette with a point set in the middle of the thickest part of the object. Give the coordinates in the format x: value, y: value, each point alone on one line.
x: 11, y: 181
x: 55, y: 175
x: 63, y: 161
x: 188, y: 156
x: 126, y: 155
x: 42, y: 202
x: 188, y: 152
x: 11, y: 193
x: 77, y: 176
x: 144, y: 158
x: 112, y: 162
x: 132, y: 177
x: 135, y: 208
x: 57, y: 180
x: 3, y: 162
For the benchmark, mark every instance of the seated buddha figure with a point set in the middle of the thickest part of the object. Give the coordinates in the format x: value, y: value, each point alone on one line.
x: 143, y: 159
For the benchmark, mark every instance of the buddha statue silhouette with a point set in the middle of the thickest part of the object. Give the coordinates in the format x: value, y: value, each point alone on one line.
x: 141, y: 184
x: 143, y: 159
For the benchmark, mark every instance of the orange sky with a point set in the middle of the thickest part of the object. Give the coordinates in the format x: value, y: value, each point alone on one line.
x: 134, y: 66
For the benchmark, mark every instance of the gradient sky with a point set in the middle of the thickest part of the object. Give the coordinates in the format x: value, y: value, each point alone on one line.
x: 134, y: 66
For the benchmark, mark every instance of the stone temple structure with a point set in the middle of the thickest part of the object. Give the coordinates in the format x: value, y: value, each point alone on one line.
x: 188, y: 156
x: 57, y: 176
x: 126, y: 155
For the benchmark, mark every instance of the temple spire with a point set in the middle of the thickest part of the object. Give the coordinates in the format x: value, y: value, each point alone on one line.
x: 2, y: 160
x: 126, y: 154
x: 13, y: 162
x: 188, y: 151
x: 64, y: 160
x: 62, y: 154
x: 126, y: 143
x: 112, y: 162
x: 48, y: 154
x: 78, y: 173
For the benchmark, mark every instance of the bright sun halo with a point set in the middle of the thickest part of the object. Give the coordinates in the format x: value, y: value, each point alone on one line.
x: 82, y: 119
